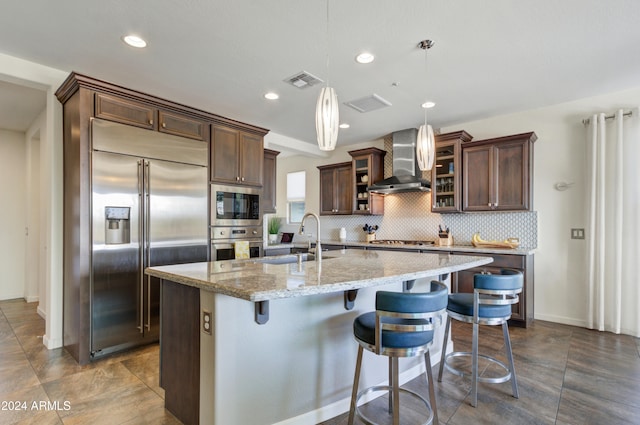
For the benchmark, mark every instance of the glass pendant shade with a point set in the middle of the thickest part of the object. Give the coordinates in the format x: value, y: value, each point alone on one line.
x: 327, y: 119
x: 425, y: 147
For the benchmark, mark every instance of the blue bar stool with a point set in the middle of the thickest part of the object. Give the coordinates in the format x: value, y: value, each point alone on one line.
x: 490, y: 304
x: 402, y: 326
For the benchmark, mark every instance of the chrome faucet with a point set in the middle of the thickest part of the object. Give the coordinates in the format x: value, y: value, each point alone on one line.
x: 318, y: 251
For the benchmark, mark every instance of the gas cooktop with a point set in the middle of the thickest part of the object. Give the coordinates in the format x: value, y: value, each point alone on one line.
x: 399, y: 242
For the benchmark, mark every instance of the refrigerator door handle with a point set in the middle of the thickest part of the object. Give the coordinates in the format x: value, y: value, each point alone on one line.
x: 141, y: 239
x: 147, y: 236
x: 148, y: 325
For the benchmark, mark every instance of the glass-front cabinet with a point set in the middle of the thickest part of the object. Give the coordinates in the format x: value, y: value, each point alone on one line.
x: 368, y: 168
x: 446, y: 172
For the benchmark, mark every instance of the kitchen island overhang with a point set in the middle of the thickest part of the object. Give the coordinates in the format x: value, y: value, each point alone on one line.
x: 298, y: 369
x: 262, y: 280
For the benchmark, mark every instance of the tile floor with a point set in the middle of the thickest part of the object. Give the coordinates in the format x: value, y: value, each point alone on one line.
x: 566, y: 375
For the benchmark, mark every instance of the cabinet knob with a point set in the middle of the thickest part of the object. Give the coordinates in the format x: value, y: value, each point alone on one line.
x: 242, y: 179
x: 238, y: 179
x: 150, y: 122
x: 164, y: 125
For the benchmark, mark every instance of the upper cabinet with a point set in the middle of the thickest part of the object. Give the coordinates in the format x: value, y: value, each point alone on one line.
x: 182, y: 125
x: 131, y: 112
x: 367, y: 168
x: 236, y: 156
x: 125, y: 111
x: 336, y: 189
x: 498, y: 173
x: 446, y: 174
x: 269, y: 181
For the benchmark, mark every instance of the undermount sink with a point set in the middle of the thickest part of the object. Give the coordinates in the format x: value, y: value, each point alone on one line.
x: 289, y: 258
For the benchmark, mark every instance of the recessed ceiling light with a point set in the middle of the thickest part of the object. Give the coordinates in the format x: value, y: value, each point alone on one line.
x: 427, y: 105
x: 134, y: 41
x: 271, y: 96
x: 365, y: 57
x: 344, y: 125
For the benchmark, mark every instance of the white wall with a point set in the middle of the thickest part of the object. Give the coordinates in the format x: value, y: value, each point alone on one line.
x: 12, y: 214
x: 34, y: 75
x: 35, y: 288
x: 560, y: 275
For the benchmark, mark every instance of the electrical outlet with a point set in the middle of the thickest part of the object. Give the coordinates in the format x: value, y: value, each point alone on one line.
x: 206, y: 322
x: 577, y: 233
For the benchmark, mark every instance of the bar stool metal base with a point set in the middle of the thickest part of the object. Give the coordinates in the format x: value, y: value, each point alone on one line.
x: 490, y: 380
x: 388, y: 389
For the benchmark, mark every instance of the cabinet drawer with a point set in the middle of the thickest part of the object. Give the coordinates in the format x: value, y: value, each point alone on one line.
x: 124, y: 111
x: 180, y: 125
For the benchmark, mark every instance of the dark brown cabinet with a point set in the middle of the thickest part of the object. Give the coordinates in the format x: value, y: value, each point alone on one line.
x: 182, y: 125
x: 446, y: 172
x: 336, y: 189
x: 367, y: 168
x: 131, y: 112
x: 269, y: 181
x: 125, y: 111
x: 236, y: 156
x: 498, y: 173
x: 522, y: 313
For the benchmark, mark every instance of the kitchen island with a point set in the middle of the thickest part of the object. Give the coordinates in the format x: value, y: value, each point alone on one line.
x: 269, y: 340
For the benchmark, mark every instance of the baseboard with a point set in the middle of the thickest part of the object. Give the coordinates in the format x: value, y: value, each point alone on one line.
x: 342, y: 406
x: 562, y: 320
x: 32, y: 298
x: 41, y: 313
x: 51, y: 343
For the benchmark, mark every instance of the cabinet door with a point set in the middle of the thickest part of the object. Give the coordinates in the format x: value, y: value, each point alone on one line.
x: 344, y: 193
x: 124, y: 111
x: 327, y: 192
x: 269, y: 181
x: 182, y: 125
x: 224, y: 154
x: 445, y: 178
x: 512, y: 176
x: 478, y: 186
x: 250, y: 159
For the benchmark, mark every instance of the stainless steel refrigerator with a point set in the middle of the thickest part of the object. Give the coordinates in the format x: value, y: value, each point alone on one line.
x: 149, y: 207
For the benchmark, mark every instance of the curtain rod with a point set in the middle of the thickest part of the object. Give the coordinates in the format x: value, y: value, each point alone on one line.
x: 586, y: 121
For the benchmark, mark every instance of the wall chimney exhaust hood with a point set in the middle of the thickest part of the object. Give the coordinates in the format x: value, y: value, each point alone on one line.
x: 406, y: 175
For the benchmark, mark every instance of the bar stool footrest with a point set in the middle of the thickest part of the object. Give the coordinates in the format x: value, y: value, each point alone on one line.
x: 387, y: 388
x: 489, y: 380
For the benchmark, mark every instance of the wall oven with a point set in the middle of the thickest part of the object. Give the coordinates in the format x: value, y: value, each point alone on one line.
x: 235, y: 206
x: 223, y: 239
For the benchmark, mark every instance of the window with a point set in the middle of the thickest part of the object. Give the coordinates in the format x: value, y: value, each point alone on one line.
x: 295, y: 196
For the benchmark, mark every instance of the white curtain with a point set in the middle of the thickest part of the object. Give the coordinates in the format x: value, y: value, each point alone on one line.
x: 613, y: 229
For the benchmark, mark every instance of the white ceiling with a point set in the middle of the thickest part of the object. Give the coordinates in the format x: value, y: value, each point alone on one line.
x: 222, y: 56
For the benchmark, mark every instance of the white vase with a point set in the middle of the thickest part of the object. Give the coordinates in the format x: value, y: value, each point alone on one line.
x: 273, y: 238
x: 371, y: 237
x: 343, y: 234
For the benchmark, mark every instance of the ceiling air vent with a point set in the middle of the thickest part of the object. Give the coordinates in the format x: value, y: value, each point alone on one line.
x: 303, y: 79
x: 368, y: 103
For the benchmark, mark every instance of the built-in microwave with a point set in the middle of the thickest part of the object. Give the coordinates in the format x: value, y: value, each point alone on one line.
x: 235, y: 206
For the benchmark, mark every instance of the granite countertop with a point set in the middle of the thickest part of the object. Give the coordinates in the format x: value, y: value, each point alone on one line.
x: 453, y: 248
x: 256, y: 280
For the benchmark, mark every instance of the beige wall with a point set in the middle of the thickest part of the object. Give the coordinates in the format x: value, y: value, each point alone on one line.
x: 12, y: 214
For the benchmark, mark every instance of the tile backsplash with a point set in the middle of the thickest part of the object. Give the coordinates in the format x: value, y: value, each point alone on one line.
x: 408, y: 216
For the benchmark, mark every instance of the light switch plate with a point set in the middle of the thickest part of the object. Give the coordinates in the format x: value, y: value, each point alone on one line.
x: 577, y: 233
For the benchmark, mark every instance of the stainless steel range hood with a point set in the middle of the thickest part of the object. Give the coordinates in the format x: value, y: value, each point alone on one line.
x: 406, y: 175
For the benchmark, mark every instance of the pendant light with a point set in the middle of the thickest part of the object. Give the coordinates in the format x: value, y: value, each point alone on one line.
x: 327, y: 116
x: 425, y: 144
